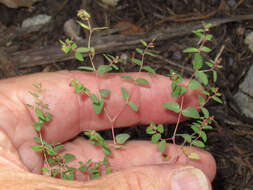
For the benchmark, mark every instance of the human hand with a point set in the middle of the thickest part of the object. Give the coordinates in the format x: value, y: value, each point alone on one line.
x: 138, y: 166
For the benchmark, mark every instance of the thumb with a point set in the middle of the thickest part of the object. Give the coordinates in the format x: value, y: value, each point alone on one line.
x: 157, y: 177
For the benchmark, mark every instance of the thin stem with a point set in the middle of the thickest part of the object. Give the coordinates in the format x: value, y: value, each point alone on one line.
x: 178, y: 121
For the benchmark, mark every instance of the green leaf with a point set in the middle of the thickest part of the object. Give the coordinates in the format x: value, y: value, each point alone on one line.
x: 118, y: 146
x: 150, y: 54
x: 86, y: 68
x: 39, y: 113
x: 214, y: 76
x: 143, y: 43
x: 83, y: 50
x: 155, y: 138
x: 34, y: 94
x: 37, y: 148
x: 194, y: 156
x: 191, y: 112
x: 198, y: 143
x: 207, y: 127
x: 133, y: 106
x: 177, y: 91
x: 83, y: 25
x: 142, y: 81
x: 100, y: 28
x: 215, y: 98
x: 202, y: 77
x: 65, y: 49
x: 122, y: 138
x: 115, y: 67
x: 79, y: 56
x: 136, y: 61
x: 173, y: 106
x: 125, y: 94
x: 68, y: 157
x: 68, y: 175
x: 161, y: 145
x: 37, y: 85
x: 160, y: 128
x: 37, y: 125
x: 59, y: 146
x: 82, y: 13
x: 45, y: 170
x: 203, y: 136
x: 209, y: 37
x: 104, y: 92
x: 202, y: 100
x: 88, y: 162
x: 106, y: 150
x: 197, y: 61
x: 206, y: 25
x: 98, y: 107
x: 205, y: 112
x: 198, y: 31
x: 138, y: 50
x: 205, y: 49
x: 74, y: 46
x: 193, y: 84
x: 205, y: 92
x: 82, y: 167
x: 105, y: 161
x: 37, y: 139
x: 104, y: 69
x: 199, y: 34
x: 191, y: 50
x: 94, y: 99
x: 209, y: 64
x: 149, y: 69
x: 108, y: 170
x: 150, y: 130
x: 187, y: 137
x: 127, y: 77
x: 196, y: 128
x: 108, y: 57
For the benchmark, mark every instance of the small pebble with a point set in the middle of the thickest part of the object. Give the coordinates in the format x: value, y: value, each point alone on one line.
x: 33, y: 22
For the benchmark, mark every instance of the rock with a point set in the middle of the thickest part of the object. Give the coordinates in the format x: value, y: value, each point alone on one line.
x: 108, y: 3
x: 72, y: 29
x: 34, y: 23
x: 244, y: 96
x: 249, y: 41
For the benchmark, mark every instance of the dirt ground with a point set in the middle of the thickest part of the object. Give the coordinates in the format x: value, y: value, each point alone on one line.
x: 231, y: 142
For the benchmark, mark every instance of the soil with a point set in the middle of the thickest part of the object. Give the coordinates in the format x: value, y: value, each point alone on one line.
x: 231, y: 141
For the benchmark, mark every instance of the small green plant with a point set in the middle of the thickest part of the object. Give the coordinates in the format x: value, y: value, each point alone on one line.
x: 57, y: 164
x: 197, y: 81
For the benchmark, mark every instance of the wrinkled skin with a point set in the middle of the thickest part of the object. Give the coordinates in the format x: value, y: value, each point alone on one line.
x: 137, y: 166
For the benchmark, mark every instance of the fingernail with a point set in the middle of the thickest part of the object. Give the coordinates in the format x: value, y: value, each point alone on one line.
x: 189, y: 179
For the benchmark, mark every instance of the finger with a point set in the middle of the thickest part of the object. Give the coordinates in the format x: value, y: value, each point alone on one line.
x: 142, y: 178
x: 138, y: 153
x: 163, y: 177
x: 9, y: 157
x: 73, y: 113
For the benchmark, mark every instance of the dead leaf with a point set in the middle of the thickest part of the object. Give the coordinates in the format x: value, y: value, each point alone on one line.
x: 132, y: 28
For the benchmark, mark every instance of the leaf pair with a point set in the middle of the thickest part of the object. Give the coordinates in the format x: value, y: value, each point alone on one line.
x: 187, y: 112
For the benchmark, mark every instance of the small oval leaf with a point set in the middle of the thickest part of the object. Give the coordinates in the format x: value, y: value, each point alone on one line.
x: 191, y: 112
x: 173, y: 106
x: 122, y: 138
